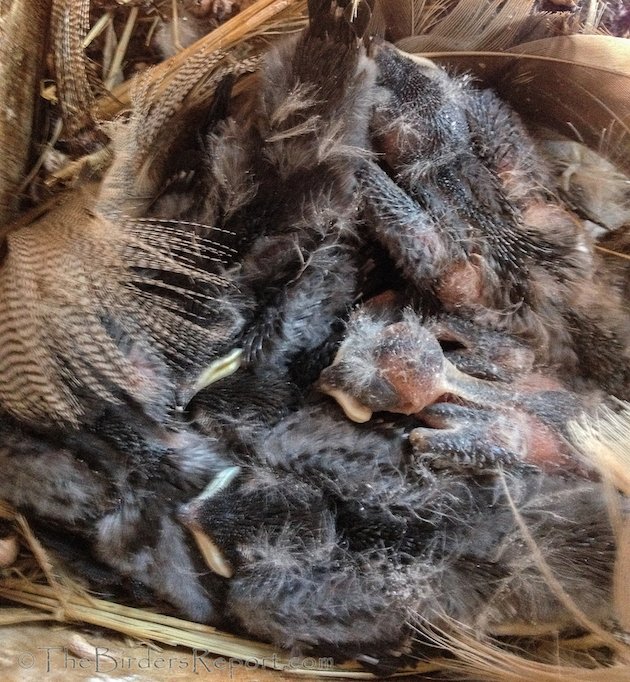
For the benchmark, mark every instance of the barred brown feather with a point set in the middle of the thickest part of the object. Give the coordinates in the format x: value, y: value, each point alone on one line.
x: 83, y: 312
x: 70, y: 22
x: 97, y: 301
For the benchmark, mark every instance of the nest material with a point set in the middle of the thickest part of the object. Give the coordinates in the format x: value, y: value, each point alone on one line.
x: 547, y: 66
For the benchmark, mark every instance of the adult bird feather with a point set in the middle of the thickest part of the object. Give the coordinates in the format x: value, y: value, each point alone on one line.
x: 102, y: 303
x: 69, y: 26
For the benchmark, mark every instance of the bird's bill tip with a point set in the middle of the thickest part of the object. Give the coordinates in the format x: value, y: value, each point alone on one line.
x: 353, y: 409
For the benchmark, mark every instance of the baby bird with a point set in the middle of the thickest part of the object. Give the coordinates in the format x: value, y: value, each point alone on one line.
x: 478, y: 393
x: 104, y: 500
x: 461, y: 204
x: 283, y: 181
x: 343, y: 546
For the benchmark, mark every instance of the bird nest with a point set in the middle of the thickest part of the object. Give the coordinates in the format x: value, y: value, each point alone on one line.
x: 556, y: 63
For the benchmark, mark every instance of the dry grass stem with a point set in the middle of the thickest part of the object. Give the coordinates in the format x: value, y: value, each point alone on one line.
x: 145, y: 625
x: 250, y: 22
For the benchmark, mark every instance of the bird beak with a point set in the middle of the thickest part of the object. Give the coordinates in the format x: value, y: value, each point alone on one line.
x: 210, y: 552
x: 353, y: 409
x: 219, y: 369
x: 221, y: 481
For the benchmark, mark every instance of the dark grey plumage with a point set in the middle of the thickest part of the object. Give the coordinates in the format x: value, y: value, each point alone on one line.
x: 461, y: 202
x: 308, y: 134
x: 282, y: 182
x: 338, y: 541
x: 112, y: 493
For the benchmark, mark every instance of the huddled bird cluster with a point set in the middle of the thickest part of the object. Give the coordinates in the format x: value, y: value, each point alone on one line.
x: 292, y: 370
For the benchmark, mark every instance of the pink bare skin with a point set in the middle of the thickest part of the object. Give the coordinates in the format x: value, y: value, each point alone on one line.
x: 465, y: 419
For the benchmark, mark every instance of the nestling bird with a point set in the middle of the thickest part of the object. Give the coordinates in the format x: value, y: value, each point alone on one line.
x: 104, y: 499
x: 460, y: 202
x: 283, y: 182
x: 337, y: 542
x: 479, y: 391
